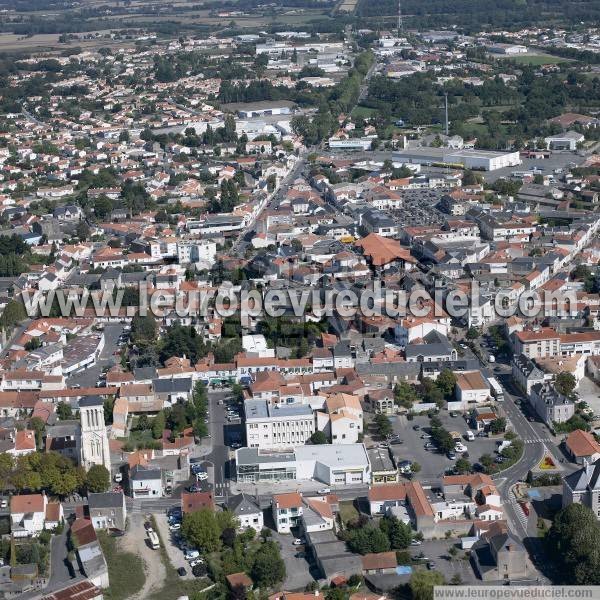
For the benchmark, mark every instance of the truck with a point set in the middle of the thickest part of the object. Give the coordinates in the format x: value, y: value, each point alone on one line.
x: 153, y: 539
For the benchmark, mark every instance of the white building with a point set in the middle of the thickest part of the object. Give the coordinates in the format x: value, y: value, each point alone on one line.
x: 470, y: 159
x: 192, y: 251
x: 335, y: 465
x: 277, y: 426
x: 145, y: 482
x: 94, y: 439
x: 564, y: 141
x: 471, y: 388
x: 247, y: 512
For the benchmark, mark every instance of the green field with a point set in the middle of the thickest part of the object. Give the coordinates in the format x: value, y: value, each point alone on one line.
x: 363, y: 112
x: 125, y: 570
x: 536, y: 60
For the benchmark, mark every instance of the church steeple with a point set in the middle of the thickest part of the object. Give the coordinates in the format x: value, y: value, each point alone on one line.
x: 94, y: 439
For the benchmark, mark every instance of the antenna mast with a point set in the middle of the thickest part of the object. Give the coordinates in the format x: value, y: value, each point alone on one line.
x: 399, y: 17
x: 446, y: 107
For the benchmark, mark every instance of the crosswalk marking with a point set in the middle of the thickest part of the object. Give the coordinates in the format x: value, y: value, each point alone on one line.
x: 518, y: 510
x: 538, y: 441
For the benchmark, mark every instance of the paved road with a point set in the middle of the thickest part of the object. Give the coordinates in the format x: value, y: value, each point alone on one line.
x: 88, y: 377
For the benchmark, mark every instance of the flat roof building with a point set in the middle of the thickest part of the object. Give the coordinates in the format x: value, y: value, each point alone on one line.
x: 332, y: 464
x: 471, y: 159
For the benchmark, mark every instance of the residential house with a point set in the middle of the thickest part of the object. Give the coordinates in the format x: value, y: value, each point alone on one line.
x: 287, y: 510
x: 247, y: 511
x: 107, y: 510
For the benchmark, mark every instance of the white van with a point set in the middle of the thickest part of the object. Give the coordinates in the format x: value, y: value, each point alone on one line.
x: 470, y: 436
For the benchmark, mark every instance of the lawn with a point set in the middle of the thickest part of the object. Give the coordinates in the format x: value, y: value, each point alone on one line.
x: 363, y: 112
x: 348, y: 512
x: 125, y: 570
x: 536, y: 60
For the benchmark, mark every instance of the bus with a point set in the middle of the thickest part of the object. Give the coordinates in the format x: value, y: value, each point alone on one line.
x: 154, y: 541
x: 496, y: 389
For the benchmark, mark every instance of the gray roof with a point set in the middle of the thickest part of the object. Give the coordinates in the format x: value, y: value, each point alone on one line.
x: 243, y: 505
x: 144, y: 473
x: 105, y: 500
x: 586, y: 478
x: 261, y: 409
x: 172, y: 386
x: 91, y: 401
x: 144, y: 373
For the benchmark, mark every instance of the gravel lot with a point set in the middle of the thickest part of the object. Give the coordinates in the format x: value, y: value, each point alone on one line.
x: 173, y: 552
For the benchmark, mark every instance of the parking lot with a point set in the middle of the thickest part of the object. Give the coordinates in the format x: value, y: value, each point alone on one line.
x: 298, y: 569
x: 436, y: 552
x: 433, y: 463
x: 174, y: 553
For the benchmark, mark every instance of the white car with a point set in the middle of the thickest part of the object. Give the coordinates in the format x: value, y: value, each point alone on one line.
x: 297, y: 542
x: 196, y: 561
x: 460, y: 448
x: 324, y: 491
x: 175, y: 527
x: 202, y: 476
x: 191, y: 555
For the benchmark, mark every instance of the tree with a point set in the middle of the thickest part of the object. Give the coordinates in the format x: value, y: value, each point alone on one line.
x: 472, y: 333
x: 446, y: 382
x: 64, y: 411
x: 269, y: 568
x: 103, y: 207
x: 498, y: 425
x: 158, y: 425
x: 97, y: 479
x: 383, y: 425
x: 398, y: 533
x: 143, y: 329
x: 318, y: 437
x: 14, y: 312
x: 463, y: 466
x: 565, y: 383
x: 575, y: 537
x: 442, y: 439
x: 202, y: 530
x: 38, y: 426
x: 423, y: 582
x: 369, y: 539
x: 82, y: 230
x: 415, y: 467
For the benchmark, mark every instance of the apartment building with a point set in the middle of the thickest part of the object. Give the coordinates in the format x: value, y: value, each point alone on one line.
x: 271, y: 426
x: 536, y: 343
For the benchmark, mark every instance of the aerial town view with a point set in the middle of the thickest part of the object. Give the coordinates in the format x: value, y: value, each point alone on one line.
x: 299, y: 299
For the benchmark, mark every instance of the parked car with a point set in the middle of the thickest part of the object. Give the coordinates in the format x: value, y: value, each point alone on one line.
x: 175, y: 527
x: 451, y: 455
x: 298, y: 542
x: 194, y: 488
x: 416, y: 543
x: 196, y: 561
x: 202, y: 476
x: 324, y: 491
x: 181, y: 572
x: 191, y: 555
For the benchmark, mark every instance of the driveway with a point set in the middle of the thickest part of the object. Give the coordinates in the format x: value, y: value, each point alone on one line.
x: 297, y: 569
x: 173, y: 552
